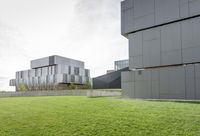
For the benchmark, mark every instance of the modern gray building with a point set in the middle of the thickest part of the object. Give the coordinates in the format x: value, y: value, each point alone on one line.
x: 53, y: 70
x: 108, y: 81
x: 164, y: 48
x: 120, y: 64
x: 111, y: 80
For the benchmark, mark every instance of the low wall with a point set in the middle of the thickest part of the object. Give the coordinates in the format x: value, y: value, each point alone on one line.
x: 45, y: 93
x: 103, y: 93
x: 89, y: 93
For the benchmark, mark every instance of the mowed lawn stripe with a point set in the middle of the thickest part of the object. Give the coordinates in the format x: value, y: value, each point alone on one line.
x: 82, y: 116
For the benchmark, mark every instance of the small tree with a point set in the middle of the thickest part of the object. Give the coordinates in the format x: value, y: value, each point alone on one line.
x: 72, y: 86
x: 87, y: 85
x: 21, y: 87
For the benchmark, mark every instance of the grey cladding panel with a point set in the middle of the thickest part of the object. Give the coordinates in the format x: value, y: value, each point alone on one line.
x: 190, y: 81
x: 127, y: 76
x: 171, y: 44
x: 194, y: 7
x: 143, y: 8
x: 143, y: 89
x: 51, y: 60
x: 171, y: 57
x: 151, y: 47
x: 155, y: 83
x: 189, y: 55
x: 131, y: 63
x: 166, y: 11
x: 44, y: 71
x: 184, y: 10
x: 191, y: 40
x: 135, y: 44
x: 126, y: 87
x: 126, y: 4
x: 135, y: 50
x: 127, y: 22
x: 127, y: 16
x: 143, y: 13
x: 170, y: 37
x: 164, y: 80
x: 137, y: 62
x: 177, y: 81
x: 172, y: 83
x: 197, y: 80
x: 40, y: 62
x: 67, y: 61
x: 143, y: 84
x: 143, y: 75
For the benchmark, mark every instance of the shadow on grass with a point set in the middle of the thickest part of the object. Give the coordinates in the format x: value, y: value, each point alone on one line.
x: 178, y: 101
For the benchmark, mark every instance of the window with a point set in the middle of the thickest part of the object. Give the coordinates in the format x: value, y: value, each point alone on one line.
x: 36, y: 72
x: 69, y: 70
x: 87, y: 73
x: 72, y: 78
x: 21, y: 75
x: 76, y: 71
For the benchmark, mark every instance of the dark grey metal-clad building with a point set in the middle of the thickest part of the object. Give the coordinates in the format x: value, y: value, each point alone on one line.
x: 52, y: 70
x: 110, y: 80
x: 164, y: 48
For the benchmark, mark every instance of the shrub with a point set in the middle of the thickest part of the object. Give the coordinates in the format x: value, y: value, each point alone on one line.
x: 87, y: 85
x: 21, y: 87
x: 71, y: 86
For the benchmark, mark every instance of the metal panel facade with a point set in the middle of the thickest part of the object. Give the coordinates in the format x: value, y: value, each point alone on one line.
x: 191, y: 40
x: 179, y: 82
x: 61, y: 71
x: 164, y: 42
x: 197, y: 81
x: 135, y: 50
x: 190, y: 81
x: 194, y: 7
x: 166, y: 11
x: 151, y: 47
x: 171, y: 44
x: 141, y: 14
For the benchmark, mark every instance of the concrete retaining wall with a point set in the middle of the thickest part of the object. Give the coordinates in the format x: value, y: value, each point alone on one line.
x: 45, y: 93
x: 89, y: 93
x: 103, y: 93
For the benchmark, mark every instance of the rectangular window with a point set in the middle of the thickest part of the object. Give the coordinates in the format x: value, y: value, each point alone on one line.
x: 69, y: 70
x: 72, y: 78
x: 76, y: 70
x: 36, y: 72
x: 21, y: 74
x: 86, y: 73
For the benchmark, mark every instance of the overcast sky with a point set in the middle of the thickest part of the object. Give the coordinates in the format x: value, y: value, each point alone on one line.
x: 87, y: 30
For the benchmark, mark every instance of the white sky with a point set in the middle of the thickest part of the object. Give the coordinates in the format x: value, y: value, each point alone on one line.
x: 87, y: 30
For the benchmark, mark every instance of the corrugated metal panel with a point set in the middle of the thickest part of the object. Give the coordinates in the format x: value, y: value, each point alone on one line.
x: 190, y: 81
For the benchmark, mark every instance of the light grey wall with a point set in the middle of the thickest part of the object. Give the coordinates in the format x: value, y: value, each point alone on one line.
x: 40, y: 62
x: 164, y: 41
x: 176, y: 82
x: 88, y: 93
x: 140, y: 14
x: 45, y: 93
x: 170, y: 44
x: 55, y: 60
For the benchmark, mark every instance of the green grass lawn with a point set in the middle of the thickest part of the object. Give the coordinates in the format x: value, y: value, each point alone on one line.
x: 82, y: 116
